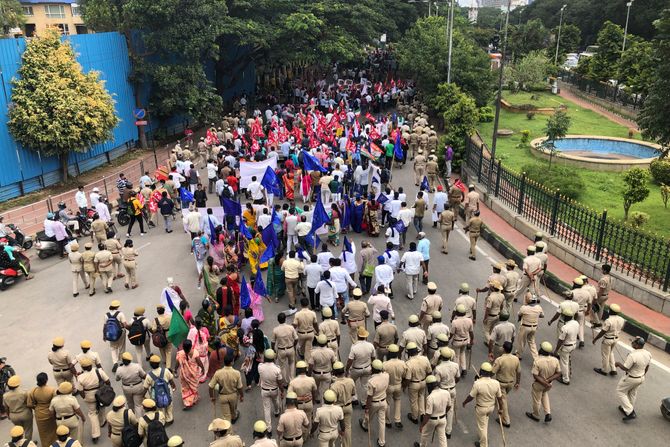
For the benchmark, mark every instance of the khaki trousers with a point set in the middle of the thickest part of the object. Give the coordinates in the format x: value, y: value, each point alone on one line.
x: 93, y: 415
x: 305, y: 344
x: 134, y: 396
x: 450, y: 413
x: 581, y: 319
x: 540, y: 396
x: 468, y: 214
x: 228, y: 406
x: 394, y: 394
x: 626, y: 392
x: 445, y: 240
x: 482, y: 415
x: 284, y: 443
x: 327, y: 438
x: 360, y: 378
x: 286, y: 362
x: 346, y: 439
x: 417, y: 398
x: 598, y: 316
x: 270, y: 404
x: 25, y: 420
x: 508, y: 304
x: 431, y: 427
x: 308, y: 408
x: 473, y: 244
x: 526, y: 283
x: 131, y: 272
x: 526, y: 337
x: 291, y: 286
x: 63, y: 376
x: 106, y: 277
x: 73, y: 423
x: 75, y: 283
x: 168, y: 412
x: 353, y: 329
x: 146, y: 347
x: 377, y: 410
x: 459, y: 353
x: 166, y: 355
x: 91, y: 278
x: 607, y: 354
x: 116, y: 348
x: 323, y: 381
x: 506, y: 388
x: 419, y: 172
x: 487, y: 326
x: 564, y: 360
x: 432, y: 180
x: 116, y: 263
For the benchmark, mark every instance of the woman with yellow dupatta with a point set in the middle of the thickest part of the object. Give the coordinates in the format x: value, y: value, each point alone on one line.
x: 255, y: 249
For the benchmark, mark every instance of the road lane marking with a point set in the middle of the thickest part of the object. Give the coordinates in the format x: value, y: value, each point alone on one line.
x: 142, y: 246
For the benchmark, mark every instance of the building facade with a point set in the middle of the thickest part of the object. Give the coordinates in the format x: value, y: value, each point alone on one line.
x: 63, y: 15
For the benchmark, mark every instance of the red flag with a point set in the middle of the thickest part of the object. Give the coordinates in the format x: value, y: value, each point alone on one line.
x: 460, y: 185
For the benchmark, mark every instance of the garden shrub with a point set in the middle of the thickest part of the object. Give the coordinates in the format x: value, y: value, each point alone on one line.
x: 660, y: 170
x: 638, y: 218
x: 486, y: 114
x: 564, y: 178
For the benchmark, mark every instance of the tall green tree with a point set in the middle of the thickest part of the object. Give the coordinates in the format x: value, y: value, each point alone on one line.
x: 530, y: 73
x: 635, y: 188
x: 460, y: 115
x: 11, y: 16
x: 653, y: 118
x: 556, y: 128
x: 570, y: 38
x: 527, y: 37
x: 636, y: 67
x: 605, y: 63
x: 58, y: 109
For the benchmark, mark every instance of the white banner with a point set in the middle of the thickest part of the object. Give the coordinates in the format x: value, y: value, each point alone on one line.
x: 250, y: 168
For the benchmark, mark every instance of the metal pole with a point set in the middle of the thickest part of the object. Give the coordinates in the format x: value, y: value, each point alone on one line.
x: 625, y: 30
x: 450, y: 30
x: 500, y: 82
x: 558, y: 39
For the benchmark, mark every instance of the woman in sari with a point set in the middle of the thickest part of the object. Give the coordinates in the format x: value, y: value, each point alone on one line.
x: 208, y: 317
x: 39, y: 399
x: 217, y: 250
x: 334, y: 225
x: 372, y: 217
x: 230, y: 254
x: 189, y: 371
x: 233, y: 284
x: 249, y: 217
x: 357, y: 214
x: 229, y: 325
x: 255, y: 249
x: 276, y: 282
x: 305, y: 186
x: 199, y: 337
x: 210, y: 273
x: 289, y: 185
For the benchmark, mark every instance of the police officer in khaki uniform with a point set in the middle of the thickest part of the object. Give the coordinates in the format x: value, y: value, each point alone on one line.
x: 446, y: 219
x: 63, y: 437
x: 114, y: 246
x: 356, y: 312
x: 65, y: 408
x: 62, y: 361
x: 456, y: 196
x: 396, y: 369
x: 492, y: 308
x: 360, y: 358
x: 99, y: 228
x: 116, y: 347
x: 89, y: 382
x: 485, y: 392
x: 610, y: 331
x: 604, y: 287
x: 431, y: 303
x: 292, y: 423
x: 448, y: 373
x: 284, y: 339
x: 512, y: 280
x: 321, y: 364
x: 306, y: 325
x: 531, y: 267
x: 329, y: 420
x: 432, y: 170
x: 432, y: 139
x: 222, y: 435
x: 545, y: 370
x: 442, y: 342
x: 418, y: 368
x: 583, y: 298
x: 419, y: 166
x: 15, y: 402
x: 272, y: 386
x: 230, y: 390
x: 636, y: 367
x: 162, y: 322
x: 468, y: 302
x: 474, y: 228
x: 151, y: 413
x: 103, y: 261
x: 471, y: 203
x: 87, y: 353
x: 131, y: 375
x: 529, y: 315
x: 152, y: 376
x: 77, y: 268
x: 507, y: 370
x: 116, y: 420
x: 462, y: 337
x: 438, y: 404
x: 129, y: 255
x: 331, y: 329
x: 305, y: 388
x: 503, y: 331
x: 567, y: 342
x: 386, y: 334
x: 414, y: 334
x: 436, y: 328
x: 138, y: 315
x: 88, y: 264
x: 344, y: 388
x: 376, y: 405
x: 17, y: 434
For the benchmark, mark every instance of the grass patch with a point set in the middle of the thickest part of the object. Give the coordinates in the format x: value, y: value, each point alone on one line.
x: 540, y: 99
x: 603, y: 189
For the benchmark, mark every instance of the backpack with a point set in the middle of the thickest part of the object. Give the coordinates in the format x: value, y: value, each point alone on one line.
x: 25, y: 443
x: 69, y: 443
x: 159, y: 338
x: 156, y: 435
x: 129, y: 435
x: 105, y: 393
x: 112, y: 330
x: 137, y: 334
x: 226, y: 192
x: 160, y: 391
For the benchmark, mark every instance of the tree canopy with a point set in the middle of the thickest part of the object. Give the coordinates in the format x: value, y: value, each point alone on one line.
x: 11, y: 16
x: 57, y: 108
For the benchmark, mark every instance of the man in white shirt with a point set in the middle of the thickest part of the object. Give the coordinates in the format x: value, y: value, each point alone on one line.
x: 94, y: 196
x: 383, y: 274
x: 80, y: 198
x: 411, y: 263
x: 341, y: 278
x: 313, y: 272
x: 349, y: 260
x: 378, y: 302
x: 392, y: 257
x: 103, y: 211
x: 289, y: 229
x: 392, y: 235
x: 324, y: 257
x: 212, y: 169
x: 386, y: 210
x: 326, y: 292
x: 49, y: 227
x: 257, y: 191
x: 439, y: 199
x: 264, y: 220
x: 406, y: 215
x: 395, y: 205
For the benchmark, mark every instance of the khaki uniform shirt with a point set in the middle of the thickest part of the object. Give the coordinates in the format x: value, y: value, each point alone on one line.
x: 304, y: 321
x: 471, y: 200
x: 530, y: 314
x: 437, y: 402
x: 130, y: 375
x: 76, y: 261
x: 87, y: 261
x: 88, y: 383
x: 163, y: 320
x: 569, y: 333
x: 567, y: 305
x: 582, y: 297
x: 447, y: 219
x: 431, y: 303
x: 461, y: 328
x: 494, y: 303
x: 469, y: 302
x: 502, y: 279
x: 545, y: 366
x: 143, y: 425
x: 113, y: 245
x: 322, y: 359
x: 604, y: 285
x: 129, y: 254
x: 475, y: 227
x: 415, y: 334
x: 361, y: 354
x: 484, y: 391
x: 356, y: 310
x: 284, y: 336
x: 637, y: 362
x: 418, y: 368
x: 512, y: 281
x: 99, y: 227
x: 61, y: 359
x: 94, y: 356
x: 431, y: 167
x: 328, y: 417
x: 434, y: 330
x: 592, y: 291
x: 330, y: 328
x: 532, y: 264
x: 64, y: 405
x: 16, y: 402
x: 455, y: 195
x: 344, y: 388
x: 270, y: 375
x: 228, y: 441
x: 104, y: 260
x: 377, y: 385
x: 292, y: 268
x: 228, y: 379
x: 447, y: 372
x: 385, y: 334
x: 502, y: 332
x: 292, y: 422
x: 304, y: 387
x: 149, y: 381
x: 613, y: 326
x: 507, y: 368
x: 419, y: 160
x: 396, y: 370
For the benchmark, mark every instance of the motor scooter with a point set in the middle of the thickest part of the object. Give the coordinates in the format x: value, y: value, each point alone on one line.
x: 10, y: 275
x: 23, y: 241
x: 46, y: 247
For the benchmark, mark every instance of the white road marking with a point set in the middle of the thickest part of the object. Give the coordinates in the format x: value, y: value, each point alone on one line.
x: 461, y: 425
x: 142, y: 246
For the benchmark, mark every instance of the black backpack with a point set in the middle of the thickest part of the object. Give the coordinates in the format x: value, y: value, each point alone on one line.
x: 156, y: 435
x: 129, y: 435
x: 56, y: 444
x: 137, y: 334
x: 25, y: 443
x: 105, y: 394
x: 159, y: 338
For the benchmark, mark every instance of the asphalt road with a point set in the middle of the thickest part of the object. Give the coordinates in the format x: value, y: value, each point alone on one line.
x: 584, y: 413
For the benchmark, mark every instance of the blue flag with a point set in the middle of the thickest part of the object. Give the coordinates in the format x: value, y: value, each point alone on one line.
x: 400, y: 226
x: 259, y: 285
x: 186, y: 196
x: 212, y: 231
x: 245, y: 231
x: 311, y: 163
x: 245, y: 297
x: 271, y: 243
x: 425, y: 186
x: 270, y: 181
x: 346, y: 247
x: 382, y: 199
x: 397, y: 148
x: 319, y: 217
x: 231, y: 208
x: 312, y: 241
x: 275, y: 218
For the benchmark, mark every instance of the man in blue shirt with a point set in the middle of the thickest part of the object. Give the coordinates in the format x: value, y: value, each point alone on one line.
x: 423, y: 247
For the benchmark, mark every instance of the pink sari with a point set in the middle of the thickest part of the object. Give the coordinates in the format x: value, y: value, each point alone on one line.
x: 189, y: 377
x: 200, y: 347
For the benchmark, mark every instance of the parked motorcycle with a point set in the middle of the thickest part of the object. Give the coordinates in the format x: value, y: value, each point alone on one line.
x: 10, y: 275
x: 20, y: 239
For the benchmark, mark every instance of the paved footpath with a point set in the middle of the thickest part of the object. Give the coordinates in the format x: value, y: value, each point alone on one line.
x: 567, y: 94
x: 585, y: 413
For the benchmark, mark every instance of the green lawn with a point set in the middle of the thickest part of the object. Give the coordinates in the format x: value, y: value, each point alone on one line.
x: 542, y: 99
x: 603, y: 189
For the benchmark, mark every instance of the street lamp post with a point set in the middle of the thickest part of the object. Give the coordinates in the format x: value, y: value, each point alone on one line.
x: 558, y: 38
x: 625, y: 30
x: 450, y: 29
x: 500, y: 84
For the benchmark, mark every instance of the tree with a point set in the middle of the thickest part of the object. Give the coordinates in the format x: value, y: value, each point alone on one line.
x: 57, y: 109
x: 635, y: 188
x: 636, y: 67
x: 527, y: 37
x: 460, y: 114
x: 11, y: 16
x: 531, y: 72
x: 488, y: 17
x: 653, y: 118
x: 606, y: 61
x: 556, y: 128
x: 570, y: 38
